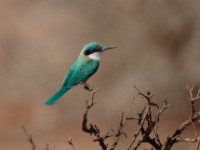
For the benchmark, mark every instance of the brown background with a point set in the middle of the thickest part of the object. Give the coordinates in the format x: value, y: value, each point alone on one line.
x: 158, y: 49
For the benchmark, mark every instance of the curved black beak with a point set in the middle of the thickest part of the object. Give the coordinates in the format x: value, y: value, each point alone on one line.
x: 108, y: 48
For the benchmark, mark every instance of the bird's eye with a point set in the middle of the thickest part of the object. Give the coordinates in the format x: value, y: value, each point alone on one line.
x: 91, y: 51
x: 88, y: 52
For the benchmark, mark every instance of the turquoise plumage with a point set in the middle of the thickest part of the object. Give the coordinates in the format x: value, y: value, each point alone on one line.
x: 85, y: 66
x: 57, y: 95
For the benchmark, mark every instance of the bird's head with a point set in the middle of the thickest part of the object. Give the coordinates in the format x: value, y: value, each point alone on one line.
x: 93, y: 50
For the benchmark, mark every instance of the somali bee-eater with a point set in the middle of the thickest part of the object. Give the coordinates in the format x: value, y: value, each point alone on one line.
x: 84, y: 67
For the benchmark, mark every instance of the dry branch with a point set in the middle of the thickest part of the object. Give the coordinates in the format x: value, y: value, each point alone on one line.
x: 195, y: 116
x: 29, y: 138
x: 119, y: 131
x: 71, y: 143
x: 148, y: 121
x: 92, y: 129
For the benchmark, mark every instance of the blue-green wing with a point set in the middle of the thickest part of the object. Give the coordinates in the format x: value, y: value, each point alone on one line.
x: 69, y: 74
x: 83, y: 71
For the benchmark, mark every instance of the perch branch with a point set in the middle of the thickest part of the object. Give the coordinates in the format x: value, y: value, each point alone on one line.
x: 92, y: 129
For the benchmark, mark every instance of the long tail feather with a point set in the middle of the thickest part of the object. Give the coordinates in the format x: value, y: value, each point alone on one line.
x: 57, y: 95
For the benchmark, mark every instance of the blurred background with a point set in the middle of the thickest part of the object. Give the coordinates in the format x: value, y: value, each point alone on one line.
x: 158, y: 50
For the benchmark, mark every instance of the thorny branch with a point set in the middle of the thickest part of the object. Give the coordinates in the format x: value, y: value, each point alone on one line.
x: 195, y: 116
x: 92, y: 129
x: 148, y: 121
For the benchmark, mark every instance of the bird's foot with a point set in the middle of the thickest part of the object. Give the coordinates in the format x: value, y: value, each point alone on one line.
x: 93, y: 91
x: 87, y: 87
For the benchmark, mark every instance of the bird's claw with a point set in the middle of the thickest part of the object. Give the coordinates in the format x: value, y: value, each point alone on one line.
x: 88, y: 88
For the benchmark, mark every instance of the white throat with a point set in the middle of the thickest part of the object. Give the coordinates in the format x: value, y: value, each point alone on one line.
x: 95, y: 56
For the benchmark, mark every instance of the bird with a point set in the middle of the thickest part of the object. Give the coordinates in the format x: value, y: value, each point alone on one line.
x: 81, y: 70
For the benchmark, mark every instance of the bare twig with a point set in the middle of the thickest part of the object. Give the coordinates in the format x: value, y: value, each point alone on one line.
x: 161, y: 110
x: 148, y: 97
x: 142, y: 117
x: 198, y: 145
x: 29, y: 138
x: 157, y: 137
x: 119, y: 130
x: 147, y: 122
x: 194, y: 140
x: 71, y: 143
x: 92, y: 129
x: 195, y: 116
x: 193, y: 99
x: 173, y: 139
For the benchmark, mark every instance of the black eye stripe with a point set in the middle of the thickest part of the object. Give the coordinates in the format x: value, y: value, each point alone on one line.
x: 88, y: 52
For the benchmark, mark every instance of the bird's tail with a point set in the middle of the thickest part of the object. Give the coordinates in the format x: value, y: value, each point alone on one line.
x: 57, y: 95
